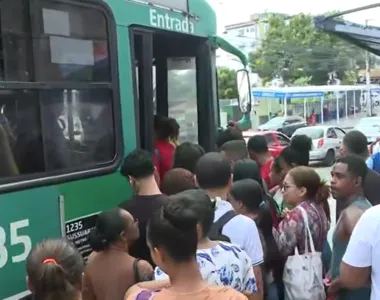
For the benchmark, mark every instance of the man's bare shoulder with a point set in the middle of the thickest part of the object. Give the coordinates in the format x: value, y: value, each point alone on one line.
x: 348, y: 219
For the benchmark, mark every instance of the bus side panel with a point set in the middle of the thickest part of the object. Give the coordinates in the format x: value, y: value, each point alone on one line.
x: 88, y: 196
x: 26, y: 218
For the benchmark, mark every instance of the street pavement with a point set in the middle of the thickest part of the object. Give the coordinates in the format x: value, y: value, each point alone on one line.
x: 345, y: 123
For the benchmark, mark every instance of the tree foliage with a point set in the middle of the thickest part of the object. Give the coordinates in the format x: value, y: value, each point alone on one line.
x: 294, y: 49
x: 227, y: 85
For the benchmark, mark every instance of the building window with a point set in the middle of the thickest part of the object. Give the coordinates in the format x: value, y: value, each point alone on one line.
x: 57, y: 115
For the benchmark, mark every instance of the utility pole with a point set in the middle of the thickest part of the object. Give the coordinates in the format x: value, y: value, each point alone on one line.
x: 368, y: 80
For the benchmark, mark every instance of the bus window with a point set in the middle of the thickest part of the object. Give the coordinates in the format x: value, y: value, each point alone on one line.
x: 71, y: 43
x: 182, y: 97
x: 15, y: 57
x: 20, y: 113
x: 68, y: 123
x: 77, y: 128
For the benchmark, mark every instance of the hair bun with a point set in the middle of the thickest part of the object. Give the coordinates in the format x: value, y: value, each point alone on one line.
x: 97, y: 240
x: 184, y: 219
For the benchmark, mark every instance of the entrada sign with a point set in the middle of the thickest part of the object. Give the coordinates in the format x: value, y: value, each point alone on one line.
x: 165, y: 21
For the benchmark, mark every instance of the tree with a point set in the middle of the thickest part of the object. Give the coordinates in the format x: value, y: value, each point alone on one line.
x: 293, y: 48
x: 302, y: 81
x: 227, y: 85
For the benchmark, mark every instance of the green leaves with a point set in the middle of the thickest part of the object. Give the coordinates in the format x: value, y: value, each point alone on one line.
x: 227, y: 86
x: 294, y: 49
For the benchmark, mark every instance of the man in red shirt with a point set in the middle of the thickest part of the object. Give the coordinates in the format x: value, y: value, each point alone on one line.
x: 164, y: 148
x: 259, y: 152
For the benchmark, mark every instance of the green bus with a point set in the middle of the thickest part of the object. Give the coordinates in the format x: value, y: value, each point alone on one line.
x: 80, y: 84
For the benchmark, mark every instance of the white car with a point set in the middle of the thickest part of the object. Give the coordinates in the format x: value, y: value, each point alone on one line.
x: 326, y: 142
x: 370, y: 127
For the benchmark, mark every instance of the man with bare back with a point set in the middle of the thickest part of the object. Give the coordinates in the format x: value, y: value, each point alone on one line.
x: 348, y: 175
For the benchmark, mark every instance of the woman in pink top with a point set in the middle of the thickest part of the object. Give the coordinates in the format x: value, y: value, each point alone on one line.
x: 172, y: 239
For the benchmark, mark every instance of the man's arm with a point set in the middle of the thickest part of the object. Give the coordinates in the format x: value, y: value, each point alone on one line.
x: 259, y: 282
x: 355, y: 269
x: 346, y: 224
x: 145, y: 271
x: 349, y: 218
x: 353, y: 277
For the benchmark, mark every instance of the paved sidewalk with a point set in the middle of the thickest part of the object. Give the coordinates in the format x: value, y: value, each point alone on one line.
x: 351, y: 121
x: 346, y: 123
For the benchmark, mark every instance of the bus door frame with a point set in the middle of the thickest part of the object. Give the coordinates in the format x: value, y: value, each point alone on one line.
x: 144, y: 95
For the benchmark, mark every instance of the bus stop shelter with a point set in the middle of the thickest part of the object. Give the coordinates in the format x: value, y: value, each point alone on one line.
x: 307, y: 93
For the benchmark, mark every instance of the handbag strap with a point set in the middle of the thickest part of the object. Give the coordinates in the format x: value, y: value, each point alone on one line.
x: 307, y: 231
x: 136, y: 270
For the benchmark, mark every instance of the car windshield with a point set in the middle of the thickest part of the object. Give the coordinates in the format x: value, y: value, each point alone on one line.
x: 313, y: 132
x: 275, y: 121
x: 369, y: 122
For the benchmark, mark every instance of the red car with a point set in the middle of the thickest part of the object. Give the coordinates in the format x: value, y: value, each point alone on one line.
x: 276, y: 140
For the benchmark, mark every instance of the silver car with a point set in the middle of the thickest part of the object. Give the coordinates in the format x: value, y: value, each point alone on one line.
x: 326, y: 142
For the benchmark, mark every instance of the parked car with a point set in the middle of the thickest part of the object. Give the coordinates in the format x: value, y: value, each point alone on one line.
x: 370, y: 127
x: 286, y: 125
x: 276, y: 140
x: 326, y: 142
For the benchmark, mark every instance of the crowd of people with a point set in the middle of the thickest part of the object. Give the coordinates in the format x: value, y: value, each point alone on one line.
x: 233, y: 224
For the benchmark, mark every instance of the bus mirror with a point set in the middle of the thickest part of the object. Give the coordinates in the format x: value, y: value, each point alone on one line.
x: 244, y: 90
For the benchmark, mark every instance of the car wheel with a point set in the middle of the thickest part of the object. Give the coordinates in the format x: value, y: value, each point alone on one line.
x: 329, y: 158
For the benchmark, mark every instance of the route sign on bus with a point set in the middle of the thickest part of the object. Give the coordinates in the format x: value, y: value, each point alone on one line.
x: 172, y: 4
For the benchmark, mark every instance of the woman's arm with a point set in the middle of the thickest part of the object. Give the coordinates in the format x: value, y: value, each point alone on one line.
x: 286, y: 237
